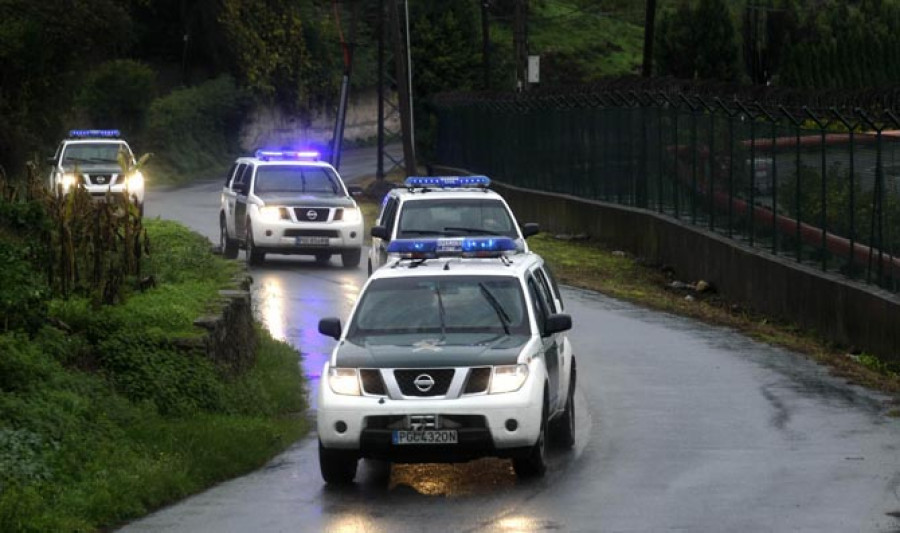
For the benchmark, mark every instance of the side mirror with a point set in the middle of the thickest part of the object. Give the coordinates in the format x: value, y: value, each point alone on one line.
x: 355, y: 190
x: 557, y: 323
x: 380, y: 232
x: 241, y: 188
x: 331, y: 327
x: 530, y: 228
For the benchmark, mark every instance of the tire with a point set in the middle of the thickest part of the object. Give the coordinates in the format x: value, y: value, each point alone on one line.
x: 534, y: 463
x: 229, y: 246
x: 254, y: 256
x: 350, y: 259
x: 338, y: 467
x: 563, y: 429
x: 323, y: 258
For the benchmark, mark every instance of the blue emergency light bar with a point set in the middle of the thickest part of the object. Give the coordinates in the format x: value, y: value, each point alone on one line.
x: 287, y: 155
x: 448, y: 182
x: 93, y: 133
x: 452, y: 247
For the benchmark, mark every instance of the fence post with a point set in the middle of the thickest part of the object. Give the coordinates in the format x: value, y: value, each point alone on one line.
x: 797, y: 128
x: 730, y: 114
x: 774, y: 122
x: 851, y: 208
x: 876, y: 199
x: 693, y: 109
x: 823, y: 217
x: 751, y: 211
x: 711, y: 162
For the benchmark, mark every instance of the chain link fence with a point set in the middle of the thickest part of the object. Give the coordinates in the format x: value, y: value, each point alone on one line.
x: 819, y: 186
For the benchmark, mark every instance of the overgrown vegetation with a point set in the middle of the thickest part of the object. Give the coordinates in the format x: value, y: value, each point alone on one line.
x: 104, y: 411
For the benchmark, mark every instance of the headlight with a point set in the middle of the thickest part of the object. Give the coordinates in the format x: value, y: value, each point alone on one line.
x: 344, y: 381
x: 269, y: 214
x: 67, y: 181
x: 509, y: 378
x: 352, y: 215
x: 135, y: 181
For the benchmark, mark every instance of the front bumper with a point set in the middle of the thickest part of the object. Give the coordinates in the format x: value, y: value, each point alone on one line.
x: 288, y: 237
x: 99, y: 192
x: 484, y: 435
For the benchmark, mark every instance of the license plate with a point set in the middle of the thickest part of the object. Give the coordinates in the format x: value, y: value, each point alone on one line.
x: 316, y: 241
x: 428, y: 436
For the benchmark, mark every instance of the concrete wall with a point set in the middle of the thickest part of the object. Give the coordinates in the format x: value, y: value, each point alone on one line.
x: 848, y: 313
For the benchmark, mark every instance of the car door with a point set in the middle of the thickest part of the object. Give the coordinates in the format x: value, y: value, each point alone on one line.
x: 551, y: 349
x: 228, y: 196
x: 241, y: 188
x: 386, y: 218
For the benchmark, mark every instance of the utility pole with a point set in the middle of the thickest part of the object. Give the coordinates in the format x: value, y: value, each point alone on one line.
x: 337, y: 138
x: 486, y: 44
x: 520, y: 44
x: 403, y: 89
x: 649, y: 19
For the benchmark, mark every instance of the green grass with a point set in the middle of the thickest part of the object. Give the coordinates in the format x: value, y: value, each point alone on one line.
x: 102, y: 421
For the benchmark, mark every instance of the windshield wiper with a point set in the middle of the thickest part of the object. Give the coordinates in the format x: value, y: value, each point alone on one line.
x: 501, y: 313
x: 437, y: 291
x: 480, y: 231
x: 421, y: 232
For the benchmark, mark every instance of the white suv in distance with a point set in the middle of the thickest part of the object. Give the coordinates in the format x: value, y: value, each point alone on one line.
x: 443, y: 206
x: 288, y: 202
x: 474, y: 363
x: 90, y: 159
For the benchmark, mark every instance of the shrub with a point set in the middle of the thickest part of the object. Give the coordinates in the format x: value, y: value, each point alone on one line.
x: 117, y: 94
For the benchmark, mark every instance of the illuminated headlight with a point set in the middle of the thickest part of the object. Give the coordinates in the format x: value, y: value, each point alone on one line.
x: 509, y: 378
x: 344, y: 381
x: 135, y: 181
x: 270, y: 214
x: 67, y: 181
x: 352, y: 215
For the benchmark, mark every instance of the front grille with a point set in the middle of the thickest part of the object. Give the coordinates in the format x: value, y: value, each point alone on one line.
x: 406, y: 379
x: 478, y: 381
x: 100, y: 179
x: 372, y: 382
x: 311, y: 214
x: 312, y: 233
x: 443, y: 422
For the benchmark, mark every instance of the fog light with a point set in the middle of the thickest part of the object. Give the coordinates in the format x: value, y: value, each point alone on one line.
x: 340, y: 426
x: 512, y: 424
x: 268, y: 233
x: 352, y: 234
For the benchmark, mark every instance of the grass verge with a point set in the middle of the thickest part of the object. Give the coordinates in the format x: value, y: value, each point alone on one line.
x: 102, y: 420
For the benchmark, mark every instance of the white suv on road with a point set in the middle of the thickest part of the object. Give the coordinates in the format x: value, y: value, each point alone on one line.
x: 91, y: 159
x: 288, y: 202
x: 456, y: 352
x: 443, y: 206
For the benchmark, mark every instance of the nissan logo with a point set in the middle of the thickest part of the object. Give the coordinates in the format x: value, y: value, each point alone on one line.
x: 423, y: 382
x: 312, y: 215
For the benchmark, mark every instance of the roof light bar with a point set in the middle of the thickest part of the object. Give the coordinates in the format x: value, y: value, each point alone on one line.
x: 452, y: 247
x: 93, y: 133
x: 269, y: 155
x: 448, y: 182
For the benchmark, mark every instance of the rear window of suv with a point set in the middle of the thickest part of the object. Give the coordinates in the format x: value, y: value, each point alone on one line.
x: 296, y: 179
x: 452, y: 216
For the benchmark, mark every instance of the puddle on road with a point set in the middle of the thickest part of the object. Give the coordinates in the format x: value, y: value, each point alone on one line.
x: 462, y: 479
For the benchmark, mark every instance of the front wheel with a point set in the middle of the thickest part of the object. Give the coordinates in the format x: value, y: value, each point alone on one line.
x: 351, y: 258
x: 534, y: 464
x: 229, y: 246
x: 254, y: 255
x: 338, y: 467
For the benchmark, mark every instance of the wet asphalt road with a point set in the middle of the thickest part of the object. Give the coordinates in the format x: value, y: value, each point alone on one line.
x: 681, y: 427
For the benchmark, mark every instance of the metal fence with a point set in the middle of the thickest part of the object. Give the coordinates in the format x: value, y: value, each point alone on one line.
x: 820, y: 187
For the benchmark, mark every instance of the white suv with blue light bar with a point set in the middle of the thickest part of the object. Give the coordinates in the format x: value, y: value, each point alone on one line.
x: 452, y: 353
x: 91, y: 159
x: 288, y: 202
x: 445, y: 207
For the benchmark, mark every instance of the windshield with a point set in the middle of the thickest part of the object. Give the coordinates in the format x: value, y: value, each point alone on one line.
x: 319, y: 181
x: 81, y: 153
x: 455, y: 216
x: 441, y: 306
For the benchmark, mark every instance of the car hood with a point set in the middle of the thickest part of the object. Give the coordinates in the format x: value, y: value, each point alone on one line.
x: 305, y: 200
x: 95, y: 168
x: 430, y: 353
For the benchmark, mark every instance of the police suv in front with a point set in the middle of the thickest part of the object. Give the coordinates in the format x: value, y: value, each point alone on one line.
x: 455, y: 351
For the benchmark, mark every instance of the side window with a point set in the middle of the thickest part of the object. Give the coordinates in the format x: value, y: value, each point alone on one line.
x: 390, y: 210
x: 538, y: 303
x: 230, y: 174
x: 238, y: 175
x: 549, y: 294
